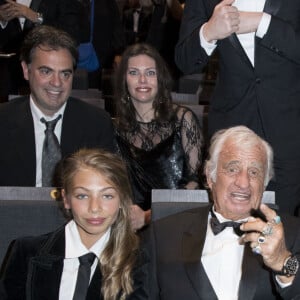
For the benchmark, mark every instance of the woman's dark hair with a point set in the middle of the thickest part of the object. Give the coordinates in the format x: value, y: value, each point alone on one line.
x: 125, y: 110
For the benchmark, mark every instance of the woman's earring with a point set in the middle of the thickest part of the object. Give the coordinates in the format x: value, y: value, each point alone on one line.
x: 161, y: 100
x: 126, y: 99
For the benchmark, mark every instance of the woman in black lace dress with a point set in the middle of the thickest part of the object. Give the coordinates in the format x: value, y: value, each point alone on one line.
x: 159, y: 140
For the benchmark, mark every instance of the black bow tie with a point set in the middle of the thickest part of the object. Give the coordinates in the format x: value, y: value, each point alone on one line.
x: 217, y: 227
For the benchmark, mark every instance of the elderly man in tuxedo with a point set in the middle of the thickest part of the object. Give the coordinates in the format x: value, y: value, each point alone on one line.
x: 48, y: 60
x: 236, y: 248
x: 257, y: 43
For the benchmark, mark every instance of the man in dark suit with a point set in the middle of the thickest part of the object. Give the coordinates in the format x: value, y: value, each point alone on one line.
x: 255, y: 257
x: 17, y: 19
x: 48, y: 60
x: 259, y: 75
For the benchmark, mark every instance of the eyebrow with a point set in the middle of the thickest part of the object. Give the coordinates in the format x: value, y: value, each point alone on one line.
x: 232, y: 162
x: 238, y: 162
x: 137, y: 68
x: 102, y: 190
x: 258, y: 165
x: 61, y: 71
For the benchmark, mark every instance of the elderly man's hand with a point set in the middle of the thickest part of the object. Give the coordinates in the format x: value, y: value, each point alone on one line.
x: 267, y: 238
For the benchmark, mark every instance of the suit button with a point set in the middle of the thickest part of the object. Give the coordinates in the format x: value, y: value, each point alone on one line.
x: 257, y: 80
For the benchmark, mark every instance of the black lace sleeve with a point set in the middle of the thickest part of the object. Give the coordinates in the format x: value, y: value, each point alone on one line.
x: 192, y: 138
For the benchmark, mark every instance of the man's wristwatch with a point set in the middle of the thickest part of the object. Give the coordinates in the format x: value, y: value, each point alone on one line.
x: 290, y: 267
x: 39, y: 19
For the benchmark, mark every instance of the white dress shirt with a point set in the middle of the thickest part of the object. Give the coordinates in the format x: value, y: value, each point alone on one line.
x: 39, y: 134
x: 222, y: 260
x: 246, y: 39
x: 75, y: 249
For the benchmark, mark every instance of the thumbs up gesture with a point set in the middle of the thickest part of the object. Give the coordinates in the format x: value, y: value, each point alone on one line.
x: 223, y: 22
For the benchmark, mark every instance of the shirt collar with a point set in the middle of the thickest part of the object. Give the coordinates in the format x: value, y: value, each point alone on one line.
x: 74, y: 246
x: 222, y: 219
x: 38, y: 114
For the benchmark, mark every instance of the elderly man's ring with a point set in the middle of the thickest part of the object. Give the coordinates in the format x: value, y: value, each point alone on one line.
x: 276, y: 220
x: 256, y: 250
x: 261, y: 239
x: 268, y: 229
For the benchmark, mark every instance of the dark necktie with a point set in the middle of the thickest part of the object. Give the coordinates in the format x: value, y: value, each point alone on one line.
x: 83, y: 277
x: 217, y: 227
x: 51, y: 152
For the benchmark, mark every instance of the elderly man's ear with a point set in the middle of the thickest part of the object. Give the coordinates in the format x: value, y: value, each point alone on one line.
x: 208, y: 178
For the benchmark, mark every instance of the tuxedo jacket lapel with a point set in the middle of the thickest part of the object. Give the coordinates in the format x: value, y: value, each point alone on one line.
x: 71, y: 132
x: 24, y: 132
x: 192, y: 246
x: 46, y: 272
x: 251, y: 268
x: 45, y: 269
x: 233, y: 39
x: 272, y: 6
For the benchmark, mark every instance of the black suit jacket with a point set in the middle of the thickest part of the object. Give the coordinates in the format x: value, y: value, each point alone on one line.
x: 35, y: 265
x: 177, y: 243
x: 3, y: 295
x: 264, y: 98
x: 83, y: 126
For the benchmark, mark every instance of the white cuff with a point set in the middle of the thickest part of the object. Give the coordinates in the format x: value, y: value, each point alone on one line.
x: 281, y: 284
x: 209, y: 47
x: 263, y: 25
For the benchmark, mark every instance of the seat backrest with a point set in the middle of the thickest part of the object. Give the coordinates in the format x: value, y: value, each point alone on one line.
x: 27, y: 217
x: 28, y: 193
x: 91, y: 96
x: 80, y: 79
x: 166, y: 202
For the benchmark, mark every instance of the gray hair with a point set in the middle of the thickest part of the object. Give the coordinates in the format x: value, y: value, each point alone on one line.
x: 244, y: 136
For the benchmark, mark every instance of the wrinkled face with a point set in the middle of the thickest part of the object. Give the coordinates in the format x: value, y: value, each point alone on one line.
x: 141, y: 79
x: 50, y: 76
x: 240, y: 180
x: 94, y: 203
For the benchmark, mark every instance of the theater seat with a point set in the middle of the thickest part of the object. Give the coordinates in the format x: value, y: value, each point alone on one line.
x: 27, y: 217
